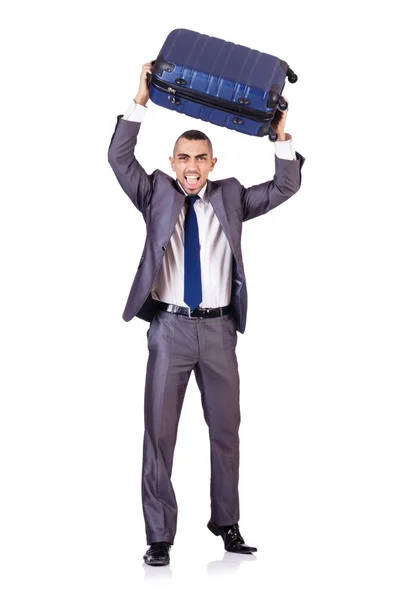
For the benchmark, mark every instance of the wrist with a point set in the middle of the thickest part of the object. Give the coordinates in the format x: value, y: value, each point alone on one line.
x: 282, y: 136
x: 139, y: 99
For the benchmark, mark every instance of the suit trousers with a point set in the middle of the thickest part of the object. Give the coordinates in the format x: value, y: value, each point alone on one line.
x: 177, y: 346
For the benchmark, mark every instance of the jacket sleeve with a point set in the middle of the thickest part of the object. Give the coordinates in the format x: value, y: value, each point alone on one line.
x: 259, y: 199
x: 134, y: 180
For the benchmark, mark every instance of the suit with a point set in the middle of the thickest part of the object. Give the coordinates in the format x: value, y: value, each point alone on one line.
x: 157, y: 195
x: 178, y: 344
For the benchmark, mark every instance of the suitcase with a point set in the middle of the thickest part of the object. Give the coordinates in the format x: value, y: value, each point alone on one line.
x: 220, y: 82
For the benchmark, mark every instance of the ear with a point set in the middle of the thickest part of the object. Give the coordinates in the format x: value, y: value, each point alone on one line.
x: 213, y: 162
x: 172, y: 162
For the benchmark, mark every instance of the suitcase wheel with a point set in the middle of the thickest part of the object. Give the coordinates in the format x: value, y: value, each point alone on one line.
x: 272, y: 135
x: 174, y: 100
x: 292, y: 77
x: 282, y: 104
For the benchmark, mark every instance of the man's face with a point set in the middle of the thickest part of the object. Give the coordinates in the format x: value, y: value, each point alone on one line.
x: 192, y: 161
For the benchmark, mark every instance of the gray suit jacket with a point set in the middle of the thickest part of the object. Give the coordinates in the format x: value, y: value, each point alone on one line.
x: 160, y: 201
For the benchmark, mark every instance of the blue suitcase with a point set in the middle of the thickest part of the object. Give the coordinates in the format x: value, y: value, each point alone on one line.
x: 220, y: 82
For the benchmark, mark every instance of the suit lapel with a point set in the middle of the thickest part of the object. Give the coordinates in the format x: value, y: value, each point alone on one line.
x: 177, y: 204
x: 215, y: 196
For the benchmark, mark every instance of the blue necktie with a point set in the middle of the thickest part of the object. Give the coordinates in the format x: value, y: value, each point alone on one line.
x: 193, y: 292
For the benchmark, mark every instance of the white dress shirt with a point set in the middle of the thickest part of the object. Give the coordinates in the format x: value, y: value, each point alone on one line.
x: 215, y: 253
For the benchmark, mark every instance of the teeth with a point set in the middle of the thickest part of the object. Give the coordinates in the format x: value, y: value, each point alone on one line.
x: 191, y: 177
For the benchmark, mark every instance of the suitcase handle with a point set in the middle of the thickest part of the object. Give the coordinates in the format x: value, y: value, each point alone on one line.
x: 149, y: 76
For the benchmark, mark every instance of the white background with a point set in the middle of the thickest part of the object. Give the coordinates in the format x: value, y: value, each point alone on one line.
x: 317, y: 361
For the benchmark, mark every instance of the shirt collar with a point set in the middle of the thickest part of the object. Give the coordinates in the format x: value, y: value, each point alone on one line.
x: 201, y: 193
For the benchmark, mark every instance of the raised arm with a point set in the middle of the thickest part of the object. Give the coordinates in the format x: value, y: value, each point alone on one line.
x: 259, y: 199
x: 134, y: 180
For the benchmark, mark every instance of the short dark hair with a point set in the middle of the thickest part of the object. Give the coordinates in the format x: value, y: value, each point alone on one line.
x: 194, y: 134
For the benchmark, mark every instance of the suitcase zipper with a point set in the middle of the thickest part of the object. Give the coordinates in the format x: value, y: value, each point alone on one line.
x: 200, y: 98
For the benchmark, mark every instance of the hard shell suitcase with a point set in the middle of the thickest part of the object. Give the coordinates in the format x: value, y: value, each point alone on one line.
x: 220, y: 82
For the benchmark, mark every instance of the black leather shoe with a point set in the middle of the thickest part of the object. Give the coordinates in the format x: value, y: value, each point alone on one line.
x: 158, y: 554
x: 232, y: 538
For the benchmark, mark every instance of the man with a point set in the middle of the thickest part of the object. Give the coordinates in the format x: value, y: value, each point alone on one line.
x: 190, y: 285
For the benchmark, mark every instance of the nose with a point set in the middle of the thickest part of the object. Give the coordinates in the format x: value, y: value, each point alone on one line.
x: 193, y: 164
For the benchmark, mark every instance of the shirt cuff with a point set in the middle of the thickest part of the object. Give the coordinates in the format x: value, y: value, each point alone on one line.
x: 135, y: 112
x: 285, y: 149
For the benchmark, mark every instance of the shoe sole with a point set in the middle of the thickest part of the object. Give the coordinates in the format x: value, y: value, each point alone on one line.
x: 156, y: 564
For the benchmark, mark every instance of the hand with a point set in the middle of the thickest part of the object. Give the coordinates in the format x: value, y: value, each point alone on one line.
x: 143, y: 93
x: 278, y: 123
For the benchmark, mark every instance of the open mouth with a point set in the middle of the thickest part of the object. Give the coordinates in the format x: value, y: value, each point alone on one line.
x: 192, y: 181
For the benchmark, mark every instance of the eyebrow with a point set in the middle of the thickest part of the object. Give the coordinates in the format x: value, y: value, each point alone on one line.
x: 197, y: 155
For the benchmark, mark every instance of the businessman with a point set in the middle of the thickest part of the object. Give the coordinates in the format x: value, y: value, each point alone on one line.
x: 190, y: 286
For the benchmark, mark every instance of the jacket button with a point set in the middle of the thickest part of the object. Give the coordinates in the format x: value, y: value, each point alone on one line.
x: 164, y: 247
